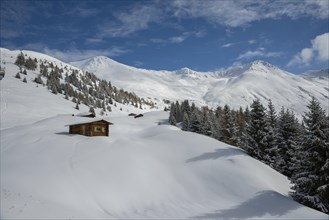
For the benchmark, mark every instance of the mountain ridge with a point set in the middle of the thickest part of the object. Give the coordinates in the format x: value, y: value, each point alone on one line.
x: 236, y: 86
x: 145, y: 168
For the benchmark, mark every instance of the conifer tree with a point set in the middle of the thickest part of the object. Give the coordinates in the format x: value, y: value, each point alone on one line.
x: 195, y: 124
x: 287, y: 142
x: 311, y: 177
x: 92, y: 110
x: 185, y: 107
x: 241, y: 123
x: 18, y: 76
x: 271, y: 114
x: 233, y: 130
x: 205, y: 122
x: 247, y: 115
x: 270, y: 154
x: 20, y: 60
x: 229, y: 130
x: 178, y: 112
x: 186, y: 122
x: 172, y: 115
x: 216, y: 127
x: 30, y: 64
x: 256, y: 131
x: 38, y: 80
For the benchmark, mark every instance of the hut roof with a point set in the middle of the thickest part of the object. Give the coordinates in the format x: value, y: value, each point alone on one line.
x: 87, y: 121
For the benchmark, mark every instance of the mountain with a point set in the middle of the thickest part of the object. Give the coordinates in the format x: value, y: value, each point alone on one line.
x: 144, y: 169
x: 236, y: 86
x: 62, y: 83
x: 171, y: 85
x: 317, y: 74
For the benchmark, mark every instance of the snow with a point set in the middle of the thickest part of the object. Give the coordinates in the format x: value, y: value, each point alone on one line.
x: 235, y: 86
x: 82, y: 120
x: 15, y: 110
x: 145, y: 169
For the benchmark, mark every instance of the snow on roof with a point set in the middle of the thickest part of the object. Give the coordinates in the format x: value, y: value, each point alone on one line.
x: 84, y: 114
x: 88, y: 120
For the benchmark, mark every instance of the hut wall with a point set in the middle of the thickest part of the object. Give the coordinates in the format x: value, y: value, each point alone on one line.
x: 92, y: 129
x: 99, y: 129
x: 76, y: 129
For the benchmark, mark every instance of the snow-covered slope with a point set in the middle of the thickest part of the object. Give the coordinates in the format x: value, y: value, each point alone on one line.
x: 265, y: 81
x: 144, y: 169
x: 25, y: 102
x: 318, y: 73
x: 178, y: 85
x: 236, y: 86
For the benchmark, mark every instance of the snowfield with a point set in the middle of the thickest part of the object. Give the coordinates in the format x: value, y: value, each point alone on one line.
x: 234, y: 86
x: 145, y: 169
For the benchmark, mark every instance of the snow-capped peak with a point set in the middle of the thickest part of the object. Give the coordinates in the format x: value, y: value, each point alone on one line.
x: 95, y: 62
x: 185, y: 71
x: 260, y: 65
x: 253, y: 67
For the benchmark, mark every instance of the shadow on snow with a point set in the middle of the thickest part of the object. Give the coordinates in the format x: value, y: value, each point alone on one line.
x: 227, y: 152
x: 264, y: 203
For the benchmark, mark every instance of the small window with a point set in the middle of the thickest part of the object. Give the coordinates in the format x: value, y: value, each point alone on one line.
x: 98, y: 129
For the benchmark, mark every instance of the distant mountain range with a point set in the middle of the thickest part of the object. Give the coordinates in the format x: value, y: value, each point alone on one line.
x: 235, y: 86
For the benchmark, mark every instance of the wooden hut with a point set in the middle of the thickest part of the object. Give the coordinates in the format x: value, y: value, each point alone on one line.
x: 94, y: 127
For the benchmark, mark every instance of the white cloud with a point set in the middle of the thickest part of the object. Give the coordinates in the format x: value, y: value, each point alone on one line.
x: 228, y: 45
x: 241, y: 42
x: 306, y: 55
x: 178, y: 39
x: 75, y: 55
x: 319, y: 52
x: 259, y: 53
x: 234, y: 13
x: 71, y: 54
x: 240, y: 13
x: 94, y: 40
x: 252, y: 41
x: 137, y: 18
x: 321, y: 45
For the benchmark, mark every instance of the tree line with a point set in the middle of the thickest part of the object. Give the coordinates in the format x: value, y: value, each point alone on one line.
x: 299, y: 151
x: 77, y: 86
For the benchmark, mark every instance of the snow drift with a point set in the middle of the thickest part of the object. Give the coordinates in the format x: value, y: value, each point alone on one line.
x: 144, y: 169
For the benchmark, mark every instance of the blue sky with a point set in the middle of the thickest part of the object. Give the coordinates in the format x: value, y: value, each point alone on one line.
x: 201, y: 35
